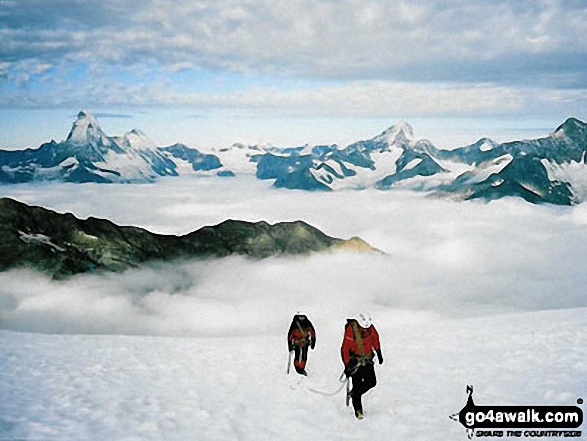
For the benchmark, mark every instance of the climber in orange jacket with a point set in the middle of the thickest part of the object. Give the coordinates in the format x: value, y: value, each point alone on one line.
x: 301, y: 335
x: 360, y: 343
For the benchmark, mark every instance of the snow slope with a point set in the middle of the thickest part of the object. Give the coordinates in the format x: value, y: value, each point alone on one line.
x: 237, y: 158
x: 235, y: 388
x: 575, y: 173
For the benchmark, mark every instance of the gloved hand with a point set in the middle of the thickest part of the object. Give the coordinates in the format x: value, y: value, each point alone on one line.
x: 349, y: 368
x: 312, y: 344
x: 290, y: 345
x: 347, y: 371
x: 379, y: 356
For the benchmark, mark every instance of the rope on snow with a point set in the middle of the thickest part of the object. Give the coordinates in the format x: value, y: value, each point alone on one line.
x: 342, y: 379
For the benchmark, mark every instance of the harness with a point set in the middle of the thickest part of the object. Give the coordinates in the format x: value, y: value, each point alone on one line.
x: 362, y: 359
x: 305, y: 334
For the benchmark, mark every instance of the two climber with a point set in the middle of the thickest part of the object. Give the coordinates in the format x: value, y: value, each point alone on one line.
x: 359, y: 347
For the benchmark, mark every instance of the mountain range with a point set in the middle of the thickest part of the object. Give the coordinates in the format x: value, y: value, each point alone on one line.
x: 550, y: 169
x: 62, y: 245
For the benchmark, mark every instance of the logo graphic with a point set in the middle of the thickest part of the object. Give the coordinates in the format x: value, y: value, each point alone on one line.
x: 519, y: 417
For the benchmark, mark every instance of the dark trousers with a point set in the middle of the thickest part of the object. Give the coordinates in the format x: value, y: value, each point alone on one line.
x: 301, y: 355
x: 363, y: 380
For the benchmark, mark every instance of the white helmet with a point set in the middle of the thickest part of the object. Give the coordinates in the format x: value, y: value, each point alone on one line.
x: 364, y: 319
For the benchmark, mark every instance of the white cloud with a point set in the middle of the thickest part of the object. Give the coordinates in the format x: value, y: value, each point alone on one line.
x: 351, y: 58
x: 443, y: 258
x: 392, y: 40
x: 358, y: 99
x: 368, y: 99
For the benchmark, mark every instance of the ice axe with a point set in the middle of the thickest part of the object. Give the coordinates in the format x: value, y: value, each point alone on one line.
x: 348, y: 391
x: 289, y: 362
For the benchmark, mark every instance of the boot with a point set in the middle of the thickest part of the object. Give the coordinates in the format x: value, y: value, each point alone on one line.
x: 301, y: 371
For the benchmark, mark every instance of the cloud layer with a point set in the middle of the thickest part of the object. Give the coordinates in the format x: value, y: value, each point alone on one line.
x: 357, y: 58
x: 442, y: 259
x: 415, y: 40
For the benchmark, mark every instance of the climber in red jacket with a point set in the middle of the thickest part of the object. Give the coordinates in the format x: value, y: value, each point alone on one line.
x: 301, y: 335
x: 360, y: 343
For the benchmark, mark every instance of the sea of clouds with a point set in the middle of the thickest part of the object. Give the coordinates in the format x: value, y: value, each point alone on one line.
x: 443, y: 259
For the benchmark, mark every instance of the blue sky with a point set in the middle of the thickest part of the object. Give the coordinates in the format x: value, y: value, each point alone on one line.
x: 318, y: 71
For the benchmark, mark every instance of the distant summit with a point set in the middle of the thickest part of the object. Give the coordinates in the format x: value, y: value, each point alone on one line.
x: 398, y: 132
x: 85, y: 129
x: 572, y: 128
x: 90, y: 155
x: 551, y: 169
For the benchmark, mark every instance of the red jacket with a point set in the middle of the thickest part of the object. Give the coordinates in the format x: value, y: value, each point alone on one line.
x: 301, y: 332
x: 369, y: 337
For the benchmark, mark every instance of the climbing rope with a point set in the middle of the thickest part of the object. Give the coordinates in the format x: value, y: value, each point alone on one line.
x: 343, y: 380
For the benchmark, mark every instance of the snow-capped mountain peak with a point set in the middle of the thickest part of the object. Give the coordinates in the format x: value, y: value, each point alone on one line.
x: 399, y: 131
x: 549, y: 169
x: 138, y: 140
x: 572, y: 127
x: 486, y: 144
x: 84, y: 129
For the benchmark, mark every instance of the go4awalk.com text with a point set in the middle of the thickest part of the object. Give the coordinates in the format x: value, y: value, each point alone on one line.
x: 531, y: 421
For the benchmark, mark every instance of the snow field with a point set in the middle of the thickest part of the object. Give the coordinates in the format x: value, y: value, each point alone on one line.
x: 235, y: 388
